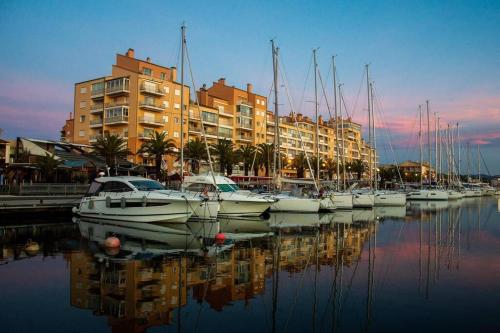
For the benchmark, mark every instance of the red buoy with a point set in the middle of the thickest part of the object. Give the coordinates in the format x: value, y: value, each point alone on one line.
x: 112, y: 242
x: 220, y: 238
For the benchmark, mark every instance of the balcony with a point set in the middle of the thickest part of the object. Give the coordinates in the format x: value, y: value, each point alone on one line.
x: 151, y: 121
x: 97, y: 93
x: 96, y: 108
x: 117, y: 120
x: 94, y: 123
x: 244, y: 138
x: 94, y: 138
x: 151, y: 90
x: 151, y: 106
x: 117, y: 86
x: 145, y: 135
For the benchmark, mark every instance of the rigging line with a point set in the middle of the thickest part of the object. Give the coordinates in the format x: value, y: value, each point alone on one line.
x: 324, y: 93
x: 361, y: 83
x: 378, y: 106
x: 484, y: 162
x: 201, y: 118
x: 284, y: 79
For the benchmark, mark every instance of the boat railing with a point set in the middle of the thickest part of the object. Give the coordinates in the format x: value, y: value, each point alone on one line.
x: 45, y: 189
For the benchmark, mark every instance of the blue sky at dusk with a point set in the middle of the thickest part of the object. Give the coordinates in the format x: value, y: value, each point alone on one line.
x: 444, y: 51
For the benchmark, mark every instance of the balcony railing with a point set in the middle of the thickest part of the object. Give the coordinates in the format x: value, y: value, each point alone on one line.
x: 153, y: 90
x: 151, y: 121
x: 97, y: 93
x: 94, y: 138
x: 145, y: 135
x: 96, y: 122
x: 116, y: 120
x: 95, y: 108
x: 151, y: 106
x: 117, y: 90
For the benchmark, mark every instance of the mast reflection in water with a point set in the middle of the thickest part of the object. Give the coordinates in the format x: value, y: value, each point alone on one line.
x: 429, y: 267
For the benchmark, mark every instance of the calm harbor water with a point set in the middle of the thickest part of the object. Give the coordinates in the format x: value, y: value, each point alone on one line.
x: 427, y: 268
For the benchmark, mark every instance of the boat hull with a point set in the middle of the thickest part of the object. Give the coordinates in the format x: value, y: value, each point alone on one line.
x: 390, y: 199
x: 299, y: 205
x: 341, y: 201
x: 427, y: 195
x: 363, y: 200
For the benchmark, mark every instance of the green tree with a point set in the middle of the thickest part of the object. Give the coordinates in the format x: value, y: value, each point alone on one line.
x: 266, y: 160
x: 299, y: 163
x: 330, y: 166
x: 158, y: 146
x: 111, y: 147
x: 196, y: 151
x: 47, y: 165
x: 223, y: 149
x: 246, y: 155
x: 359, y: 167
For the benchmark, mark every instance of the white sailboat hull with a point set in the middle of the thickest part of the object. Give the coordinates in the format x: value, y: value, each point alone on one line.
x: 455, y: 195
x: 390, y: 199
x: 299, y: 205
x: 341, y: 200
x: 427, y: 195
x: 363, y: 200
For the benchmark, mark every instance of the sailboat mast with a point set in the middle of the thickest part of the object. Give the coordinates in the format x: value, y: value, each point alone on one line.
x: 436, y: 145
x: 429, y: 140
x: 276, y: 158
x: 420, y: 145
x: 336, y: 121
x: 343, y: 139
x: 458, y: 148
x: 468, y: 161
x: 478, y: 163
x: 183, y: 46
x: 370, y: 176
x: 316, y: 111
x: 375, y: 171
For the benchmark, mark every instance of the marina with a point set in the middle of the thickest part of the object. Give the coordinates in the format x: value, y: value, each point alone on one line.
x: 364, y: 270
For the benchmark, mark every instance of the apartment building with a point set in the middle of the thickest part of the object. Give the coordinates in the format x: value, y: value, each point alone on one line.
x: 137, y: 99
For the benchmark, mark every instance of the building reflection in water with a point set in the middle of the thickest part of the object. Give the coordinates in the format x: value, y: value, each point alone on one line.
x: 139, y: 287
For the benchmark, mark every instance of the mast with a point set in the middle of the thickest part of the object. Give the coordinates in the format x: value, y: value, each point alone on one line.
x: 316, y: 110
x: 336, y: 120
x: 183, y: 37
x: 436, y: 145
x: 458, y: 146
x: 429, y: 140
x: 370, y: 176
x: 478, y: 164
x: 420, y: 145
x: 343, y: 141
x: 375, y: 180
x: 276, y: 157
x: 468, y: 161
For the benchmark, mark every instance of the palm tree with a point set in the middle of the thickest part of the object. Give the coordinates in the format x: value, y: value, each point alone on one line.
x: 299, y: 163
x: 111, y: 147
x: 330, y: 166
x: 158, y: 146
x: 266, y: 160
x: 358, y: 166
x: 196, y: 151
x: 223, y: 149
x: 47, y: 165
x: 388, y: 174
x: 245, y: 155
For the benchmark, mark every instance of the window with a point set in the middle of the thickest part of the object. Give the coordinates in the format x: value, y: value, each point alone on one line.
x: 176, y: 120
x: 176, y: 134
x: 165, y: 119
x: 147, y: 71
x: 209, y: 117
x: 147, y: 185
x: 221, y: 108
x: 165, y: 104
x: 166, y: 89
x: 177, y: 106
x: 81, y: 133
x: 97, y: 88
x: 163, y: 76
x: 115, y: 187
x: 177, y: 92
x: 83, y: 104
x: 83, y: 90
x: 82, y: 119
x: 262, y: 102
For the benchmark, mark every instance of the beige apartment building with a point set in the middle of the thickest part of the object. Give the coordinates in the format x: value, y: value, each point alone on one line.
x: 140, y: 98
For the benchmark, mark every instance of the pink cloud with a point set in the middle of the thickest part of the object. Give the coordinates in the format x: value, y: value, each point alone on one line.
x: 27, y: 89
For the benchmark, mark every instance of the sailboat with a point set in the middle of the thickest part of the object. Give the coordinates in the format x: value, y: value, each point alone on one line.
x: 334, y: 200
x: 286, y: 202
x: 426, y: 193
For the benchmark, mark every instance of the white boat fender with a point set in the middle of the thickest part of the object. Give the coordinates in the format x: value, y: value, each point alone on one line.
x: 144, y: 201
x: 123, y: 203
x: 108, y: 202
x: 74, y: 210
x: 91, y: 204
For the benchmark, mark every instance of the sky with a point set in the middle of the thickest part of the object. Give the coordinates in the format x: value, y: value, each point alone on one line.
x: 447, y: 52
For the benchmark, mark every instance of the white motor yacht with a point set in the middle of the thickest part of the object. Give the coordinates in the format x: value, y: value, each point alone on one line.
x: 207, y: 209
x: 388, y: 198
x: 233, y: 201
x: 135, y: 199
x: 426, y: 194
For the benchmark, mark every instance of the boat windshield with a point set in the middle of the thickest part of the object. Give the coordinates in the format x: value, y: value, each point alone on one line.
x: 147, y: 185
x: 228, y: 187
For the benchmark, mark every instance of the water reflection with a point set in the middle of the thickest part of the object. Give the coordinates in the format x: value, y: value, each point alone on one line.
x: 365, y: 270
